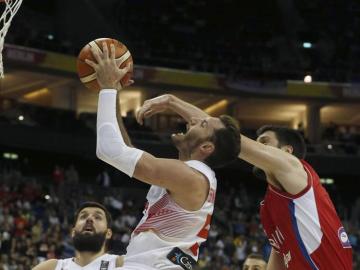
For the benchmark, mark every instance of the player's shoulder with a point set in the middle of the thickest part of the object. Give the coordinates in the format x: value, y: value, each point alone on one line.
x: 46, y: 265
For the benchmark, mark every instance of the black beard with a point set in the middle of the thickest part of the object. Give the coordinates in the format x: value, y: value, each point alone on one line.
x: 186, y: 146
x: 89, y: 242
x: 259, y: 173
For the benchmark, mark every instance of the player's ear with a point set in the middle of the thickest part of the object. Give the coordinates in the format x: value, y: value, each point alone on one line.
x: 207, y: 148
x: 108, y: 234
x: 288, y: 149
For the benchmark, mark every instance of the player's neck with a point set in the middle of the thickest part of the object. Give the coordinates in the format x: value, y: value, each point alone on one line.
x: 184, y: 153
x: 84, y: 258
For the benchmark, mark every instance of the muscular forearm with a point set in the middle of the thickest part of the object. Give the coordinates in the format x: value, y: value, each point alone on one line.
x: 120, y: 121
x: 256, y: 153
x: 283, y: 167
x: 185, y: 109
x: 275, y: 262
x: 268, y: 158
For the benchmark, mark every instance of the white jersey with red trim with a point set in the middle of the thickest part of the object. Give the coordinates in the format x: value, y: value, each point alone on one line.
x: 104, y: 262
x: 168, y: 236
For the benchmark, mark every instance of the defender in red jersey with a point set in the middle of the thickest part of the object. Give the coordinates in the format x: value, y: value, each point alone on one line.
x: 297, y: 214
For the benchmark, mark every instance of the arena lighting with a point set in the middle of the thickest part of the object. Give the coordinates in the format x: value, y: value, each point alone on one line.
x: 307, y: 45
x: 307, y: 79
x: 37, y: 94
x: 327, y: 181
x: 218, y: 105
x: 50, y: 36
x: 10, y: 156
x: 21, y: 117
x: 47, y: 197
x: 329, y: 146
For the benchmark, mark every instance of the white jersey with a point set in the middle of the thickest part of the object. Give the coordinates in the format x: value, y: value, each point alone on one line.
x: 168, y: 236
x: 104, y: 262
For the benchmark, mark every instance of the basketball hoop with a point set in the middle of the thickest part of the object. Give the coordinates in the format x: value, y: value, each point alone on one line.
x: 12, y: 6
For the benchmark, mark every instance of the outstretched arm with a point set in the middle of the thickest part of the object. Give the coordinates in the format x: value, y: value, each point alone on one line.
x: 121, y: 124
x: 169, y: 102
x: 108, y: 79
x: 275, y: 262
x: 282, y: 166
x: 276, y: 163
x: 112, y: 149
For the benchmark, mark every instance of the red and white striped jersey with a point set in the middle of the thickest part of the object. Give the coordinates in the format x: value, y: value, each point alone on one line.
x: 165, y: 225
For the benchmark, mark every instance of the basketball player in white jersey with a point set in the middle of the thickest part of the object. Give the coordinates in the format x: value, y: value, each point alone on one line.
x: 90, y: 235
x: 181, y: 198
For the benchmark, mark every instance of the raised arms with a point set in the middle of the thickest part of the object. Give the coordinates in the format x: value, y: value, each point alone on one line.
x: 169, y: 102
x: 112, y: 148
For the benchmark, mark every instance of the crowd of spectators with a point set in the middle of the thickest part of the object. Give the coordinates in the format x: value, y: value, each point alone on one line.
x: 36, y: 218
x: 336, y: 46
x: 342, y: 133
x: 237, y: 40
x: 341, y: 138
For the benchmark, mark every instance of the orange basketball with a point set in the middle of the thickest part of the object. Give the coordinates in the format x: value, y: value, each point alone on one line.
x: 87, y: 74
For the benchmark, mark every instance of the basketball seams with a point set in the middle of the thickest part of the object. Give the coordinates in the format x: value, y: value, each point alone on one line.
x: 125, y: 55
x: 99, y: 47
x: 86, y: 72
x: 90, y: 76
x: 82, y: 62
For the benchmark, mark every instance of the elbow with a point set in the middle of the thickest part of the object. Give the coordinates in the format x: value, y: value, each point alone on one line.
x: 102, y: 147
x: 100, y: 153
x: 147, y: 171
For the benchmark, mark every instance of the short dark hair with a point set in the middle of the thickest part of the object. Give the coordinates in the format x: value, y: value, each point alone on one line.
x: 227, y: 143
x: 256, y: 256
x: 95, y: 205
x: 287, y: 136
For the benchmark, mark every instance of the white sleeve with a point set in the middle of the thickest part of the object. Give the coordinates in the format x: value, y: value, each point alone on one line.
x: 110, y: 145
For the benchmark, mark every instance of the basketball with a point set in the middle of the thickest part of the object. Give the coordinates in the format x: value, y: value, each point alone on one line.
x: 87, y: 74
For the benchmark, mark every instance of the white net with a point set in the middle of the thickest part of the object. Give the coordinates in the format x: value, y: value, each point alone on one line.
x: 11, y: 7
